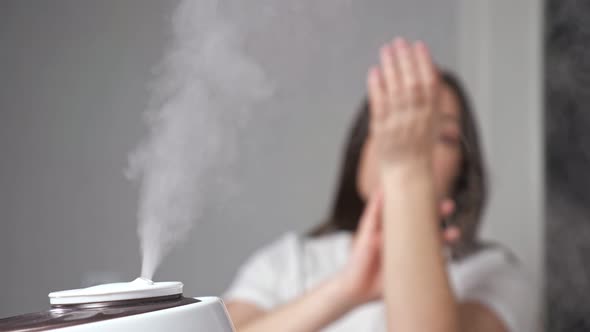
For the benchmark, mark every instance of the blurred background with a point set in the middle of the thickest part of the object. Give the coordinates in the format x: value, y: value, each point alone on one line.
x: 75, y: 77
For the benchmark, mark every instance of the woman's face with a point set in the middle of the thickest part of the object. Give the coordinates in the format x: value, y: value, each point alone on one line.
x: 446, y: 157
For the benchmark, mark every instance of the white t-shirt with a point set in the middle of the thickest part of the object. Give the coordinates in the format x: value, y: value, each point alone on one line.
x: 285, y: 269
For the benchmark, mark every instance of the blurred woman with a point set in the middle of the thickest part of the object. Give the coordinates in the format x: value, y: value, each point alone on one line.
x: 400, y: 250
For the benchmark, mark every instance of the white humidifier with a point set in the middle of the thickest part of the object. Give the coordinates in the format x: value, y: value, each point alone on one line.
x: 140, y: 305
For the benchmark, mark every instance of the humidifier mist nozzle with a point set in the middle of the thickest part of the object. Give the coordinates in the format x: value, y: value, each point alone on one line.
x: 140, y: 288
x: 144, y: 281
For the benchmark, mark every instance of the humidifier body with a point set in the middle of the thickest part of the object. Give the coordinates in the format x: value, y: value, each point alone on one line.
x: 206, y: 314
x: 141, y: 305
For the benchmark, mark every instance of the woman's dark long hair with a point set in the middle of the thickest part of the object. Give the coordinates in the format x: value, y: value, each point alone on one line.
x: 469, y: 191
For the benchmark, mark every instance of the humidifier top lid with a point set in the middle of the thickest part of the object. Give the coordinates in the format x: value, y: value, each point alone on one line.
x: 140, y: 288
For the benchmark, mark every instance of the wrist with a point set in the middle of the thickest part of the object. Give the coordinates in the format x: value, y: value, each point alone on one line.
x: 408, y: 169
x: 409, y: 184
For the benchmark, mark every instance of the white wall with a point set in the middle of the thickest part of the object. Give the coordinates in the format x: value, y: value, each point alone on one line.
x: 500, y: 54
x: 73, y: 86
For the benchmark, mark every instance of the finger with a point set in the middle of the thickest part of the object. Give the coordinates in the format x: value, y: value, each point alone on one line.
x: 391, y: 74
x: 373, y: 211
x: 428, y: 73
x: 406, y: 63
x: 376, y: 93
x: 371, y: 217
x: 451, y: 235
x: 447, y: 208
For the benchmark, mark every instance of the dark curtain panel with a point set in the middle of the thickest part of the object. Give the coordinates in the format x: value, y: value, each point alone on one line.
x: 567, y: 134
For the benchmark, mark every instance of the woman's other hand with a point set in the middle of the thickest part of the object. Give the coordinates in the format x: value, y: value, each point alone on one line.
x: 361, y: 279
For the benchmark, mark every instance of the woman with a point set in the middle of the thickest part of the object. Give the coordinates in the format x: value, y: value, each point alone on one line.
x: 417, y: 163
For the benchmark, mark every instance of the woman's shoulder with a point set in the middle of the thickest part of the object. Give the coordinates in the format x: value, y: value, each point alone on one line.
x: 279, y: 249
x: 336, y: 240
x: 324, y: 255
x: 487, y: 259
x: 490, y: 264
x: 266, y: 277
x: 493, y: 276
x: 292, y: 244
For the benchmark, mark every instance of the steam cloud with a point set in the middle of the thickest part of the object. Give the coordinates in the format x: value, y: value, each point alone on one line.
x: 205, y: 88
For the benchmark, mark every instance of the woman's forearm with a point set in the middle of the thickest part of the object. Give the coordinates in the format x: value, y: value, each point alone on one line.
x: 418, y: 295
x: 311, y: 312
